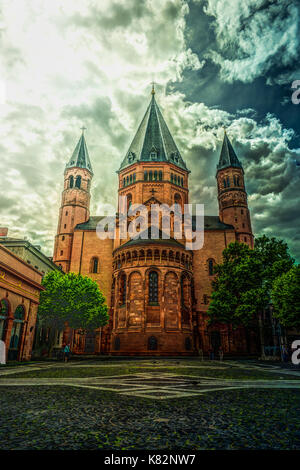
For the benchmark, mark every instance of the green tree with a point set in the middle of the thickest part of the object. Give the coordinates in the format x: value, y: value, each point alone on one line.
x: 237, y: 290
x: 286, y: 298
x: 242, y: 288
x: 71, y: 299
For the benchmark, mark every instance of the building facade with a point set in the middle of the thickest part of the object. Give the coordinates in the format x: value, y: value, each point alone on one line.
x: 157, y: 290
x: 20, y: 286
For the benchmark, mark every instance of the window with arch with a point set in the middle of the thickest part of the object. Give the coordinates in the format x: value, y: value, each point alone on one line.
x: 127, y: 179
x: 211, y: 267
x: 124, y: 182
x: 123, y: 289
x: 150, y: 175
x: 16, y: 332
x: 172, y: 178
x: 95, y: 264
x: 4, y: 312
x: 160, y: 175
x: 153, y: 287
x: 134, y: 177
x: 155, y: 175
x: 130, y: 179
x: 129, y: 201
x: 145, y: 175
x: 224, y: 183
x: 78, y: 182
x: 71, y: 181
x: 228, y: 182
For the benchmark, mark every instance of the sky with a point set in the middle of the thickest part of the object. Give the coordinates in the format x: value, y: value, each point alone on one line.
x: 216, y: 63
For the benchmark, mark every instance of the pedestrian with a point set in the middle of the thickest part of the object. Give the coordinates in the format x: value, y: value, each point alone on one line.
x: 67, y: 352
x: 221, y: 353
x: 200, y: 352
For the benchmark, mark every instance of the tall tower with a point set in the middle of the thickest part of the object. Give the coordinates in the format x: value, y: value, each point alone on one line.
x: 232, y: 196
x: 75, y: 203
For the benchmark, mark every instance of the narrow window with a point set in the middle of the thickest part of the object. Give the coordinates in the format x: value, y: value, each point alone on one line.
x: 228, y: 182
x: 124, y: 182
x: 71, y: 182
x: 61, y: 252
x: 150, y: 175
x: 123, y: 289
x: 95, y: 265
x: 153, y: 287
x: 155, y: 175
x: 134, y: 176
x: 78, y: 181
x: 210, y: 267
x: 160, y: 176
x: 224, y: 183
x: 145, y: 175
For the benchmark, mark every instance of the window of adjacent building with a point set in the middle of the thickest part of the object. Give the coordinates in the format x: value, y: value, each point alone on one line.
x: 4, y: 310
x: 16, y: 333
x: 153, y: 287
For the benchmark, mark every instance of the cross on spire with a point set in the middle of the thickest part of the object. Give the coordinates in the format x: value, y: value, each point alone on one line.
x: 152, y: 91
x: 83, y: 129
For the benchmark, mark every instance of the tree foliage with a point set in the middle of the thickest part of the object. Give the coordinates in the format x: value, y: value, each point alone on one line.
x: 286, y: 297
x: 242, y: 287
x: 73, y: 299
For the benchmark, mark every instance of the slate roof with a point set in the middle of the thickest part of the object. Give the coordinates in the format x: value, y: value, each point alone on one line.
x: 211, y: 222
x: 153, y: 140
x: 80, y: 157
x: 228, y: 156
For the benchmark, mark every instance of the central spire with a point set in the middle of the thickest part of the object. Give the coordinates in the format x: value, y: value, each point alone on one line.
x: 153, y: 140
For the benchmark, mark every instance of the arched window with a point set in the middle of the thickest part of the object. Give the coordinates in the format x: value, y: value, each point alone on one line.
x: 124, y: 182
x: 130, y: 179
x: 211, y: 267
x: 150, y: 175
x: 172, y: 177
x: 127, y: 179
x: 228, y: 182
x: 78, y: 181
x: 160, y: 176
x: 224, y: 183
x: 129, y: 201
x: 16, y: 332
x: 181, y: 181
x: 71, y: 181
x: 4, y: 311
x: 155, y: 175
x: 95, y: 264
x: 134, y: 177
x: 237, y: 181
x: 153, y: 287
x: 123, y: 289
x: 145, y: 175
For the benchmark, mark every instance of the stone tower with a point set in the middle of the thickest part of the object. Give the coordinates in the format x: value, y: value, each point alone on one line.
x: 232, y: 196
x: 75, y: 202
x: 151, y: 292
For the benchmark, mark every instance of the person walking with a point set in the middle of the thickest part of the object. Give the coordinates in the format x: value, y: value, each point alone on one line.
x: 67, y: 352
x: 221, y: 353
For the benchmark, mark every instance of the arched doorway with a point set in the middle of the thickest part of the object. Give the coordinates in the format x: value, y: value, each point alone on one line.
x: 16, y: 333
x: 4, y: 312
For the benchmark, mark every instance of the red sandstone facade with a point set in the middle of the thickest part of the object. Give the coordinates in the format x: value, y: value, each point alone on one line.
x: 157, y: 290
x: 20, y: 286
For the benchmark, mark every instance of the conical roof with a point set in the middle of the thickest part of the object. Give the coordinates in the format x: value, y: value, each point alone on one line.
x: 153, y: 140
x: 228, y: 156
x: 80, y: 157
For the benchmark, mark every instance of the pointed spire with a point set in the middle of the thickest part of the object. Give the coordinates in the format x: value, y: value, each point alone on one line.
x: 228, y: 156
x: 80, y: 157
x: 153, y: 140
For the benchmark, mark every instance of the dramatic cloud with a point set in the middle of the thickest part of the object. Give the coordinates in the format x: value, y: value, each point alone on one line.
x: 67, y: 63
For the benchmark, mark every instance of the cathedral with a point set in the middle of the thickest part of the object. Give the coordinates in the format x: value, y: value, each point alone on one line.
x: 157, y: 290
